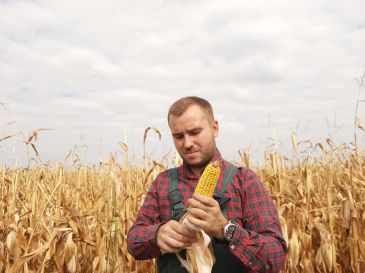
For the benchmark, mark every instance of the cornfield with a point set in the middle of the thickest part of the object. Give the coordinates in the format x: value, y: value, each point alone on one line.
x: 75, y: 219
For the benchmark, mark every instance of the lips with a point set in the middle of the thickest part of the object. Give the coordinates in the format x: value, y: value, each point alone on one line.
x: 191, y: 153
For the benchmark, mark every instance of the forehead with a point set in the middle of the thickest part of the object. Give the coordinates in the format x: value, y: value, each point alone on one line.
x: 193, y: 117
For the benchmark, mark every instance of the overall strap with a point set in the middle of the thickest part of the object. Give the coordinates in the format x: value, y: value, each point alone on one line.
x: 219, y: 196
x: 175, y: 197
x: 228, y: 176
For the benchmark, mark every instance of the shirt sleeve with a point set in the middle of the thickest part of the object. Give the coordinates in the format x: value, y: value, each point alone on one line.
x: 259, y: 244
x: 141, y: 237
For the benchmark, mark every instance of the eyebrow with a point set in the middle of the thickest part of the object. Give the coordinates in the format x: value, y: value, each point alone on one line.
x: 189, y: 131
x: 177, y: 134
x: 195, y: 129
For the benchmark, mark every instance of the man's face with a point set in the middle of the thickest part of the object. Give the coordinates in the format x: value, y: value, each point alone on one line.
x: 194, y: 136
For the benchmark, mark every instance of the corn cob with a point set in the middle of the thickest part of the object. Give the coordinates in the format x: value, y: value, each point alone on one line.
x: 208, y: 180
x: 200, y: 256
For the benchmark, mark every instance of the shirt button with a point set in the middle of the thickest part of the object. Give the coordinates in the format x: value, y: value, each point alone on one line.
x: 232, y: 247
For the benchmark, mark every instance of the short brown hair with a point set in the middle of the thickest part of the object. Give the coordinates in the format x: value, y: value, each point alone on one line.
x: 181, y: 105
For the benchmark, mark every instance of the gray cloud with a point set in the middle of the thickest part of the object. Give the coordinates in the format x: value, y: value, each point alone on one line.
x: 88, y: 70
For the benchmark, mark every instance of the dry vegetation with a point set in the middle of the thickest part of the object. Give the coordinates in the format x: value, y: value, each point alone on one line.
x: 76, y: 219
x: 321, y: 205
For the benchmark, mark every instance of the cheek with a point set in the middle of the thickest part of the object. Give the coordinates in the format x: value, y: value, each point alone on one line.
x: 209, y: 142
x: 178, y: 143
x: 205, y: 138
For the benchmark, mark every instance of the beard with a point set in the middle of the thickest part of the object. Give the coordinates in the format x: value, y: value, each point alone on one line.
x: 200, y: 160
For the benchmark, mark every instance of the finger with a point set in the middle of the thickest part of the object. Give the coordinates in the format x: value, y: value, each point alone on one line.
x: 179, y: 232
x: 172, y: 241
x: 189, y: 235
x: 197, y: 222
x: 191, y: 238
x: 176, y: 244
x: 166, y: 238
x: 194, y: 203
x: 197, y: 213
x: 166, y: 248
x: 207, y: 201
x: 186, y: 234
x: 184, y: 240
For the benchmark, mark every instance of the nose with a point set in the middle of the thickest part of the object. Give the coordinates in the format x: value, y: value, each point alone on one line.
x: 188, y: 142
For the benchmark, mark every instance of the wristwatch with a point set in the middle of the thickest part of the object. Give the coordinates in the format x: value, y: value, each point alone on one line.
x: 228, y: 231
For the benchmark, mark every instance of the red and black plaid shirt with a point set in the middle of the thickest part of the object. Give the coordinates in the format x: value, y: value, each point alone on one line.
x: 258, y: 241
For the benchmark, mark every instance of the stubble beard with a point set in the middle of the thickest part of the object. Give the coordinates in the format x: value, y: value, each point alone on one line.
x: 204, y: 160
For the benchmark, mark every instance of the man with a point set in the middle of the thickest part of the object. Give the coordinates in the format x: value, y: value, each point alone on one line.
x: 241, y: 218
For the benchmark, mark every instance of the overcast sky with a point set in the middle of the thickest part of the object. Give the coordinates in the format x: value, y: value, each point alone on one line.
x: 89, y: 69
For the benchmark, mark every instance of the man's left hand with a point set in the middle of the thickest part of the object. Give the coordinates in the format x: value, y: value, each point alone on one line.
x: 205, y: 213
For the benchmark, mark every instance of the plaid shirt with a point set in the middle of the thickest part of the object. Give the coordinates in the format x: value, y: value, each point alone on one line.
x: 257, y: 242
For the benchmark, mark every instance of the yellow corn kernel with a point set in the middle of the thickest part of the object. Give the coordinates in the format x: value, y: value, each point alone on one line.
x: 208, y: 180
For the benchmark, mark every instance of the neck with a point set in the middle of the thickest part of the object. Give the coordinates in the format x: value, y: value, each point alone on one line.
x: 197, y: 170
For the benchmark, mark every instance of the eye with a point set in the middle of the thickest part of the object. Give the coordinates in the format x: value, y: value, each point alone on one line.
x: 196, y: 132
x: 178, y: 136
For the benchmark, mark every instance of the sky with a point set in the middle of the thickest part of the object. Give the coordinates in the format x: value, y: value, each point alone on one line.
x: 97, y: 73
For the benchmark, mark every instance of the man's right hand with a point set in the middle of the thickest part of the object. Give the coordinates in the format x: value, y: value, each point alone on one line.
x: 173, y: 236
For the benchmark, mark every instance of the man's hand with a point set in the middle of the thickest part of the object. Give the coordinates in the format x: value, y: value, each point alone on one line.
x: 173, y: 236
x: 205, y: 213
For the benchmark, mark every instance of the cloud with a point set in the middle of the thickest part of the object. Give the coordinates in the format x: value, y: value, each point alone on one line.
x: 88, y: 69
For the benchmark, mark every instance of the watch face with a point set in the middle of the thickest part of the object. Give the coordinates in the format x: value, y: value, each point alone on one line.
x: 229, y: 231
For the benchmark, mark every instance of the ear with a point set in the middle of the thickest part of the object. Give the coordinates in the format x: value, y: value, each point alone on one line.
x: 215, y: 128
